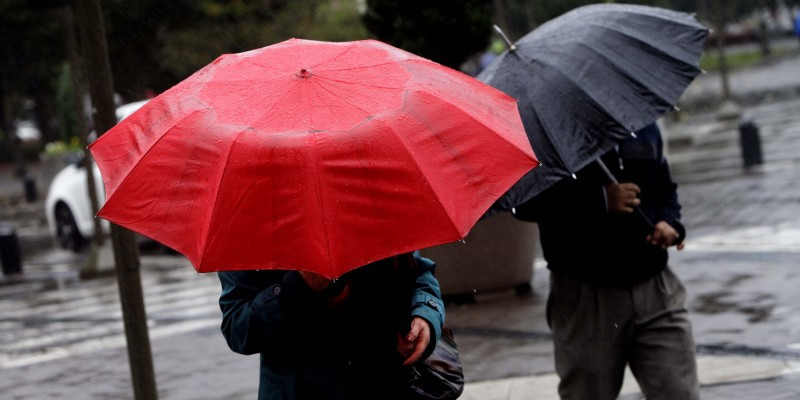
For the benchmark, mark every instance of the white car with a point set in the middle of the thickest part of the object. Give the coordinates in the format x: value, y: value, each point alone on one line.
x: 67, y: 206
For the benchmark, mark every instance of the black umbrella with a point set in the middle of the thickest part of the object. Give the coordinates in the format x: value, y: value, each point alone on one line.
x: 588, y: 79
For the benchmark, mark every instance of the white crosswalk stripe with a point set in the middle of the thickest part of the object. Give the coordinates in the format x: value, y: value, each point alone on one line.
x: 41, y: 324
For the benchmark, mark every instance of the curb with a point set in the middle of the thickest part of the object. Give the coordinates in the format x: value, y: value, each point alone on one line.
x: 712, y: 371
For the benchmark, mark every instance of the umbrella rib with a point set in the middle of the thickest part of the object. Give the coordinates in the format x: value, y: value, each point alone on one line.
x: 274, y: 104
x: 207, y: 237
x: 427, y: 180
x: 244, y: 79
x: 250, y: 61
x: 320, y: 202
x: 138, y: 163
x: 628, y: 77
x: 658, y: 50
x: 337, y: 97
x: 346, y: 50
x: 553, y: 142
x: 357, y: 83
x: 593, y: 100
x: 360, y: 67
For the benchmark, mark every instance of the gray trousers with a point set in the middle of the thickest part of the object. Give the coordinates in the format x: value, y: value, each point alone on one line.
x: 598, y: 330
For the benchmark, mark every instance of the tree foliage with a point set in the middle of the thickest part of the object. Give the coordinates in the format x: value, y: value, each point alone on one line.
x: 544, y: 10
x: 153, y: 44
x: 30, y: 58
x: 446, y: 31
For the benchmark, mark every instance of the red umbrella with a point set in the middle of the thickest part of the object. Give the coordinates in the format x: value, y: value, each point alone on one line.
x: 312, y: 156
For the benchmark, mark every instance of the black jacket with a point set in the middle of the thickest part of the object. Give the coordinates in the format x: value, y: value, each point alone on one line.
x: 582, y: 240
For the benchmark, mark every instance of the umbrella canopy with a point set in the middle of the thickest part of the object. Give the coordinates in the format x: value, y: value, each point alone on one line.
x: 589, y: 78
x: 312, y: 156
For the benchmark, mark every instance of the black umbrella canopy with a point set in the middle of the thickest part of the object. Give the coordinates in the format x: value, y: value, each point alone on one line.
x: 588, y: 79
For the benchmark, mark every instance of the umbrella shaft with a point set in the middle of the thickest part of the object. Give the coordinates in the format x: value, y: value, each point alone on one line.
x: 613, y: 179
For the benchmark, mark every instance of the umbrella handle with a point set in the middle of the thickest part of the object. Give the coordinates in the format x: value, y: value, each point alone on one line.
x: 614, y: 180
x: 511, y: 46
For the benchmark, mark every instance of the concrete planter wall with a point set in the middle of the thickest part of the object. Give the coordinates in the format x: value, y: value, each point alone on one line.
x: 497, y: 254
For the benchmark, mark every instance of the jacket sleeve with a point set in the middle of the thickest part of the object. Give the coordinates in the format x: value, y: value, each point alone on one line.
x: 584, y: 195
x: 669, y: 209
x: 426, y: 302
x: 259, y: 309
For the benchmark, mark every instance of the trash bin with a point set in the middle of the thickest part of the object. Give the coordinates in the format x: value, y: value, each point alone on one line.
x: 750, y: 141
x: 10, y: 254
x: 30, y: 188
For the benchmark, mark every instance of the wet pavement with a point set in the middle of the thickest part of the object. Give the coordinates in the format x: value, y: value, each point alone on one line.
x: 62, y: 337
x: 739, y: 267
x: 775, y: 78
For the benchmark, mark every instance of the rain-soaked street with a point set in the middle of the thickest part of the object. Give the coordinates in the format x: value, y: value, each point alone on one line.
x: 62, y: 336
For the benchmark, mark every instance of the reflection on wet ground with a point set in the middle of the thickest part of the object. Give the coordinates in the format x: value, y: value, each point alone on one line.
x: 723, y: 301
x: 45, y: 321
x: 740, y: 269
x: 714, y: 303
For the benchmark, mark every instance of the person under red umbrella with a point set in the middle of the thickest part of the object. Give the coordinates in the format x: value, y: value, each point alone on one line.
x: 351, y: 338
x: 303, y: 162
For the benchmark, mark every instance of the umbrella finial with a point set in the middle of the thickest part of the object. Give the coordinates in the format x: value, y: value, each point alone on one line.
x: 511, y: 46
x: 304, y: 73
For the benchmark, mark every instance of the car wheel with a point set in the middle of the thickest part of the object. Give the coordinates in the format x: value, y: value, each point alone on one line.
x: 69, y: 237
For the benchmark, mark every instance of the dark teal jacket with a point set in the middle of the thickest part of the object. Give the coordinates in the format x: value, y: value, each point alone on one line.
x: 311, y: 351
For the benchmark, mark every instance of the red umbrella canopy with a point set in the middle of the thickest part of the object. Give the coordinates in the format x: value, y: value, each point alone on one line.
x: 312, y: 156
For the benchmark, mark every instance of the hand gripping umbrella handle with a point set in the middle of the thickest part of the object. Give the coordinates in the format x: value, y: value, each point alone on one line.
x: 614, y: 180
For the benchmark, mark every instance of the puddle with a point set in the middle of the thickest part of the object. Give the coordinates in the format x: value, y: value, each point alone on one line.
x: 758, y: 308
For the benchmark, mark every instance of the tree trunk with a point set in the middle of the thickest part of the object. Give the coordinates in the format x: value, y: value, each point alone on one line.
x: 71, y: 43
x: 11, y: 142
x: 719, y: 25
x: 43, y: 109
x: 126, y: 252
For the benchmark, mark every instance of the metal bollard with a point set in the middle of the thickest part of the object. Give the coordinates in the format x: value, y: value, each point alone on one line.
x: 10, y: 254
x: 750, y: 141
x: 30, y: 188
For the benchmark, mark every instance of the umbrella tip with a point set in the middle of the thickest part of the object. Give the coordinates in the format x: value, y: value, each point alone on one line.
x: 511, y: 46
x: 633, y: 134
x: 513, y: 211
x: 304, y: 73
x: 676, y: 108
x: 574, y: 176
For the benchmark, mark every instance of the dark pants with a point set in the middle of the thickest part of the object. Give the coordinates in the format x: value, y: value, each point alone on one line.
x: 597, y: 331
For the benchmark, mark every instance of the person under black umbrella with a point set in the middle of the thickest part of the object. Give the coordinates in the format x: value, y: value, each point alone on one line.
x: 613, y: 299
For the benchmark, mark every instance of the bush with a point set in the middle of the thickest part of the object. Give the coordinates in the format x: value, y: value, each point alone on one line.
x: 60, y: 147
